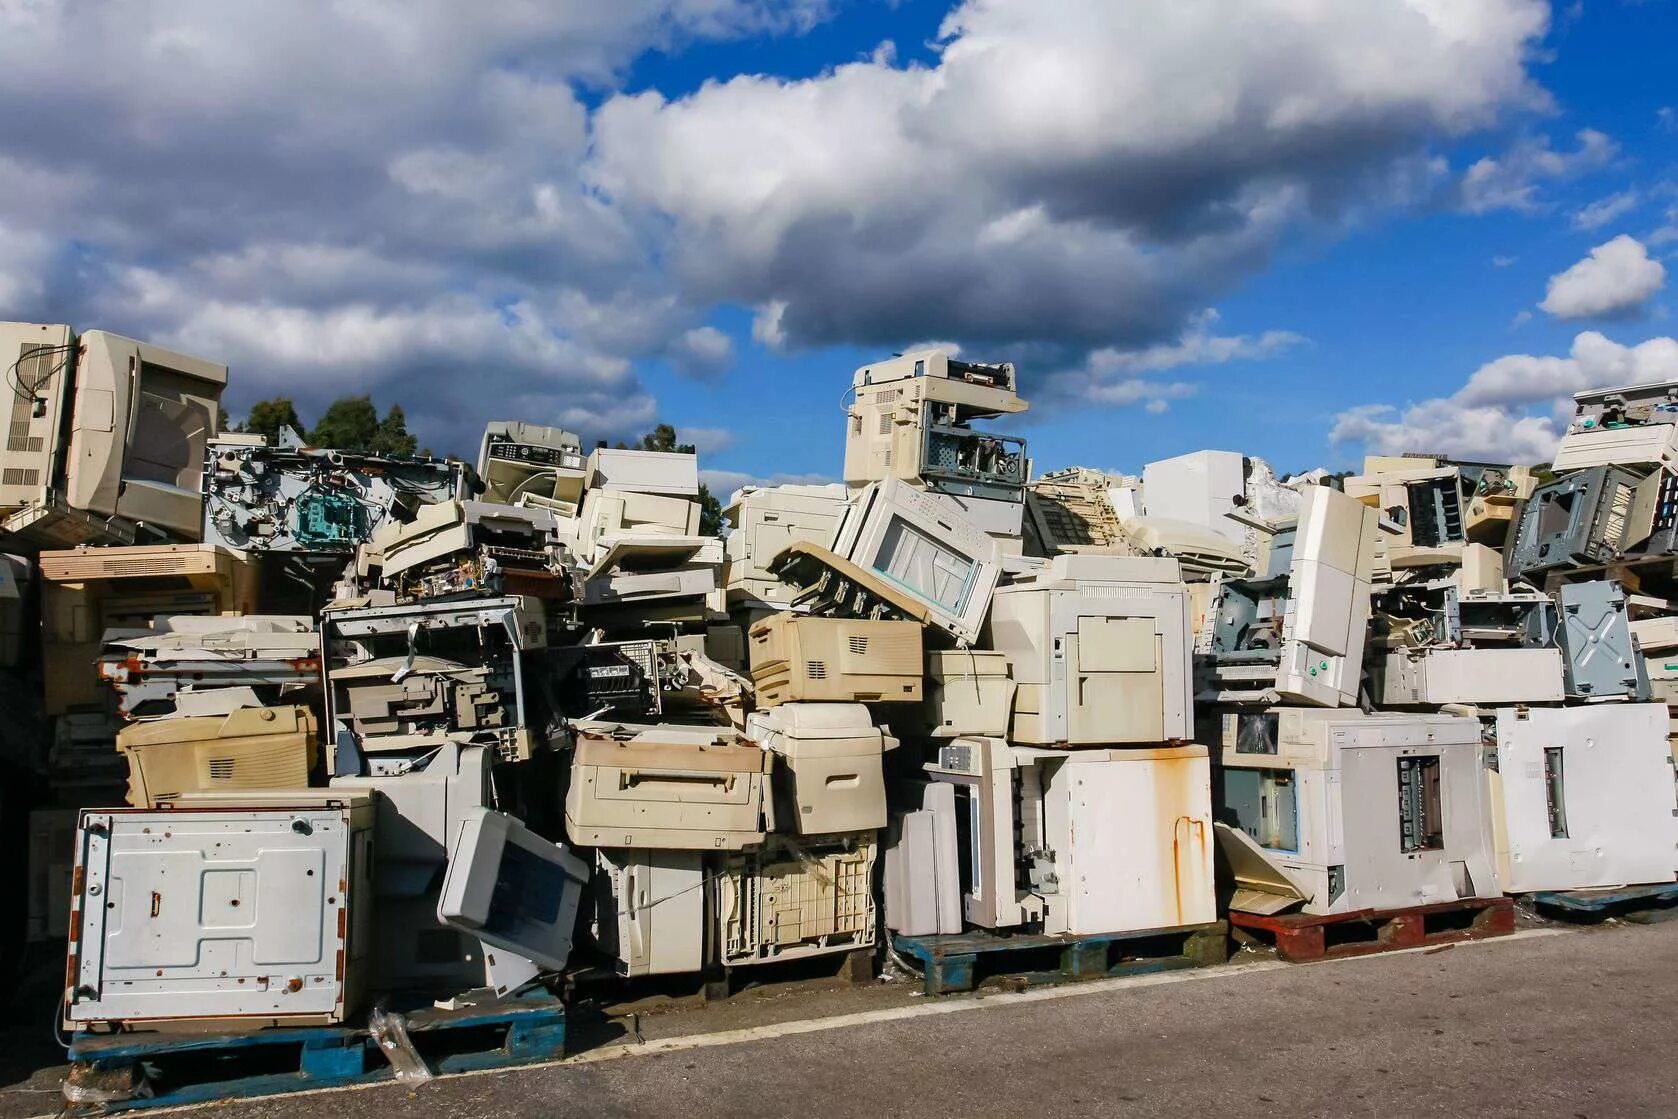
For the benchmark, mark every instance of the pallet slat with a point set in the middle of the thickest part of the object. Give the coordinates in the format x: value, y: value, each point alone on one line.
x: 1304, y: 937
x: 1657, y: 902
x: 194, y: 1068
x: 957, y: 961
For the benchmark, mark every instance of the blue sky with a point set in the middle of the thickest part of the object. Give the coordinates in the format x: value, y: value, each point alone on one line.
x: 1299, y: 229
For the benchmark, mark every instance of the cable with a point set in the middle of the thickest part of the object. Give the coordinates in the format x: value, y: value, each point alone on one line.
x: 15, y: 381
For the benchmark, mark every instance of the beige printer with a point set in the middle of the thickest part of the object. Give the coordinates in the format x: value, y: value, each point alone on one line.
x: 249, y: 748
x: 829, y: 776
x: 1099, y: 647
x: 840, y: 660
x: 672, y: 787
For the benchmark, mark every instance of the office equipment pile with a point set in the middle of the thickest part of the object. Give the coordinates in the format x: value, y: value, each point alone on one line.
x: 312, y: 731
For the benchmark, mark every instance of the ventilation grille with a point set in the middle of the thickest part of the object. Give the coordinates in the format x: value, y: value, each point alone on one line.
x: 21, y: 440
x: 885, y: 423
x: 221, y: 769
x: 859, y: 644
x: 14, y: 476
x: 1619, y: 513
x: 815, y: 670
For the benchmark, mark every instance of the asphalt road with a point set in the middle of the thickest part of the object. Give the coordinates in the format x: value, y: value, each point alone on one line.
x: 1574, y: 1024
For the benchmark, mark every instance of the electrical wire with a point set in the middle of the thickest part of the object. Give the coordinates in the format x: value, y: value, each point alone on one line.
x: 14, y: 380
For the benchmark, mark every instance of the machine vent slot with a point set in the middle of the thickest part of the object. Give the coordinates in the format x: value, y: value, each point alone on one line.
x: 221, y: 769
x: 885, y: 423
x: 859, y: 644
x: 1421, y: 816
x: 1619, y: 512
x: 815, y: 670
x: 15, y: 476
x: 1554, y: 792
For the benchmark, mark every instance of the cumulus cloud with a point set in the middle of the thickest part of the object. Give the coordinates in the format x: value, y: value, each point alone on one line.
x: 1514, y: 179
x: 1514, y: 408
x: 702, y: 352
x: 724, y: 483
x: 455, y: 206
x: 706, y: 440
x: 1614, y: 281
x: 1605, y: 210
x: 1667, y: 233
x: 377, y: 195
x: 1033, y: 184
x: 1122, y: 377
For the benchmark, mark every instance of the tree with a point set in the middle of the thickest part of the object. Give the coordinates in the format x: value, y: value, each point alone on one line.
x: 663, y: 438
x: 270, y: 417
x: 392, y: 438
x: 350, y: 423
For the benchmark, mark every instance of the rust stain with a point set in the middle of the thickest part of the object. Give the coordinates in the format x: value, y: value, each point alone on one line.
x: 156, y: 903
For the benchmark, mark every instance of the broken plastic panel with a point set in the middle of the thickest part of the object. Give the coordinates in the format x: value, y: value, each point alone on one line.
x: 511, y: 888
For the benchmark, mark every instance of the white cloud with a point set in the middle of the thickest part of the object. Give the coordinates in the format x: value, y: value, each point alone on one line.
x: 1665, y: 234
x: 702, y: 352
x: 1083, y: 173
x: 706, y: 440
x: 1605, y: 210
x: 1120, y: 377
x: 1512, y: 409
x: 418, y: 197
x: 1615, y: 280
x: 338, y: 197
x: 1512, y: 181
x: 723, y: 483
x: 1501, y: 261
x: 1197, y: 346
x: 23, y: 263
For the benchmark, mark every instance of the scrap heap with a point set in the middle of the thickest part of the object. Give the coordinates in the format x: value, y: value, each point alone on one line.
x: 395, y: 729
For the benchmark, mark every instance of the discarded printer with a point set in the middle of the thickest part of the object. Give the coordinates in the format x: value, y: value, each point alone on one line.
x: 107, y: 438
x: 1098, y: 647
x: 1360, y: 811
x: 1632, y: 426
x: 911, y: 421
x: 1297, y: 630
x: 307, y: 500
x: 403, y: 678
x: 1066, y: 841
x: 1582, y: 797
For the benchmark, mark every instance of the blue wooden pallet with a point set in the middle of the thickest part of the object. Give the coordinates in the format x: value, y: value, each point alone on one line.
x: 957, y: 962
x: 195, y: 1068
x: 1658, y: 902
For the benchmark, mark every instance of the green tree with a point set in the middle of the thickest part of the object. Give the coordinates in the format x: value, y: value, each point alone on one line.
x: 663, y: 438
x: 392, y: 438
x: 350, y: 423
x: 270, y: 417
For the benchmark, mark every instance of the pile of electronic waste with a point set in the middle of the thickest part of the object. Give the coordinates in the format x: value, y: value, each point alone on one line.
x: 400, y: 729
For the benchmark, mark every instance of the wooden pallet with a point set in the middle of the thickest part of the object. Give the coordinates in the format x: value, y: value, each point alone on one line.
x: 167, y: 1070
x: 960, y: 961
x: 1303, y: 937
x: 1641, y: 904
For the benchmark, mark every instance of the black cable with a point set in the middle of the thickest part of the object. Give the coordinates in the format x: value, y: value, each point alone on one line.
x: 62, y: 351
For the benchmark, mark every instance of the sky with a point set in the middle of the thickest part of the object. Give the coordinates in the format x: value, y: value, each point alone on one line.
x: 1301, y: 229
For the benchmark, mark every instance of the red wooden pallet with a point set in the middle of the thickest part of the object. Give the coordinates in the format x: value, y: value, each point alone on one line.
x: 1303, y: 937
